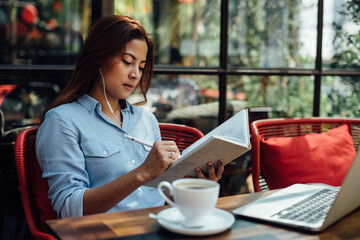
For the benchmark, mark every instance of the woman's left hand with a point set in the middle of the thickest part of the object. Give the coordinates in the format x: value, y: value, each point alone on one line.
x: 213, y: 174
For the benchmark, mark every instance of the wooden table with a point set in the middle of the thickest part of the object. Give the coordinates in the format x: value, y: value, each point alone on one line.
x: 136, y: 224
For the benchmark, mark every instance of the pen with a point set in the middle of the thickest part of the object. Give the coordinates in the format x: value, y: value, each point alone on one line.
x: 138, y: 140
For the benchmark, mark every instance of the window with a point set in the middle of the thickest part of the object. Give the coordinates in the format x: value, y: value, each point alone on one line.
x: 277, y: 58
x: 272, y: 34
x: 290, y: 58
x: 42, y: 32
x: 39, y: 44
x: 341, y: 34
x: 286, y: 96
x: 279, y: 55
x: 340, y: 96
x: 23, y: 97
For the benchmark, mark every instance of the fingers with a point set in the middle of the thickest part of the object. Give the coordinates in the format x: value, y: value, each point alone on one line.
x: 212, y: 174
x: 167, y: 143
x: 171, y: 149
x: 211, y: 170
x: 220, y: 169
x: 168, y: 149
x: 169, y: 146
x: 160, y: 158
x: 174, y: 155
x: 199, y: 173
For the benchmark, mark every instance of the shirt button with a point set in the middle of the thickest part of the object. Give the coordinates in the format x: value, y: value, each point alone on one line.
x: 104, y: 152
x: 133, y: 161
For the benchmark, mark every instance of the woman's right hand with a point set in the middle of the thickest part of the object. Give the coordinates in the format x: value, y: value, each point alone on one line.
x: 161, y: 156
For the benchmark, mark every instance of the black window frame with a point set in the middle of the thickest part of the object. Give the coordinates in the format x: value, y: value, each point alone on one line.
x: 102, y: 8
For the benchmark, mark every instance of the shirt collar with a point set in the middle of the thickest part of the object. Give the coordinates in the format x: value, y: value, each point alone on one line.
x: 125, y: 105
x: 91, y: 104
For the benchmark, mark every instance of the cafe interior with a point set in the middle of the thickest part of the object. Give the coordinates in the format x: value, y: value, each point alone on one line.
x: 293, y: 65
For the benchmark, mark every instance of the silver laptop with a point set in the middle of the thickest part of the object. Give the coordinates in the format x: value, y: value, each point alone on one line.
x: 313, y: 207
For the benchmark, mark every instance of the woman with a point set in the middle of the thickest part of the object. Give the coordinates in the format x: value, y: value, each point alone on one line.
x: 89, y: 164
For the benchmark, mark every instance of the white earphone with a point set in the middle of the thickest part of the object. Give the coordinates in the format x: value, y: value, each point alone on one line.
x: 102, y: 77
x: 111, y: 110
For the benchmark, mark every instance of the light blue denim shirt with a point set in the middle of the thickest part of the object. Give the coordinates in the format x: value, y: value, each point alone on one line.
x: 79, y: 147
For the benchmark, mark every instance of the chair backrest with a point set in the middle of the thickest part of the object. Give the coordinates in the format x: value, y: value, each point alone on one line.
x: 33, y: 188
x: 291, y: 127
x: 183, y: 135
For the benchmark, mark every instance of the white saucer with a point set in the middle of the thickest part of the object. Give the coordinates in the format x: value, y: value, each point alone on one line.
x: 218, y: 221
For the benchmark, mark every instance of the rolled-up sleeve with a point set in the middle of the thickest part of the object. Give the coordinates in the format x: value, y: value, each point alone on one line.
x: 63, y: 164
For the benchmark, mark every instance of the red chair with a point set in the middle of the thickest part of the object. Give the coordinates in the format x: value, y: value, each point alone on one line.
x: 183, y: 135
x: 290, y: 127
x: 33, y: 188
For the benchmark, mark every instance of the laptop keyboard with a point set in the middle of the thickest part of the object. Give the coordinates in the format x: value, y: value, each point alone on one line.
x: 312, y: 209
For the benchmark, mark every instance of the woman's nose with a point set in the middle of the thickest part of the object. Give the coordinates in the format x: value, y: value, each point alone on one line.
x: 135, y: 74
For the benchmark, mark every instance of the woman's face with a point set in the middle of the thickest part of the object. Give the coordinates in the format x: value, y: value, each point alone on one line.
x: 122, y: 73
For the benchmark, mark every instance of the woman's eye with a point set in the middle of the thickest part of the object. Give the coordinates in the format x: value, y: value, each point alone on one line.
x: 141, y: 69
x: 126, y: 62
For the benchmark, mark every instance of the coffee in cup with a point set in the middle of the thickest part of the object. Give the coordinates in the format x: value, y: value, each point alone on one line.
x: 195, y: 198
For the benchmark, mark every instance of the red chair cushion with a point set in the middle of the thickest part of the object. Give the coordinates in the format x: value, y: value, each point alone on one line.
x: 313, y: 158
x: 40, y: 193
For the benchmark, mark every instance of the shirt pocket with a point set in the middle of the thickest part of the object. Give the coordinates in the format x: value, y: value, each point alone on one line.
x: 101, y: 149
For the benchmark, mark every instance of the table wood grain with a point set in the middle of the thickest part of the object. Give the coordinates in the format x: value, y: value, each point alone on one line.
x: 136, y: 224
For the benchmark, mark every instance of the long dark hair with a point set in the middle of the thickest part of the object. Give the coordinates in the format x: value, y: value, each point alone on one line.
x: 106, y: 38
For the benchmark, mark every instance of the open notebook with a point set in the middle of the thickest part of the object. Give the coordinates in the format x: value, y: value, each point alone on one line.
x: 228, y: 141
x: 288, y: 206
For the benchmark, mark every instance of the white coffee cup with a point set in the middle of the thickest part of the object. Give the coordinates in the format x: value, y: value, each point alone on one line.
x: 195, y: 198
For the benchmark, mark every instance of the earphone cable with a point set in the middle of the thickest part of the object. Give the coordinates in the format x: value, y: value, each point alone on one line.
x: 111, y: 110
